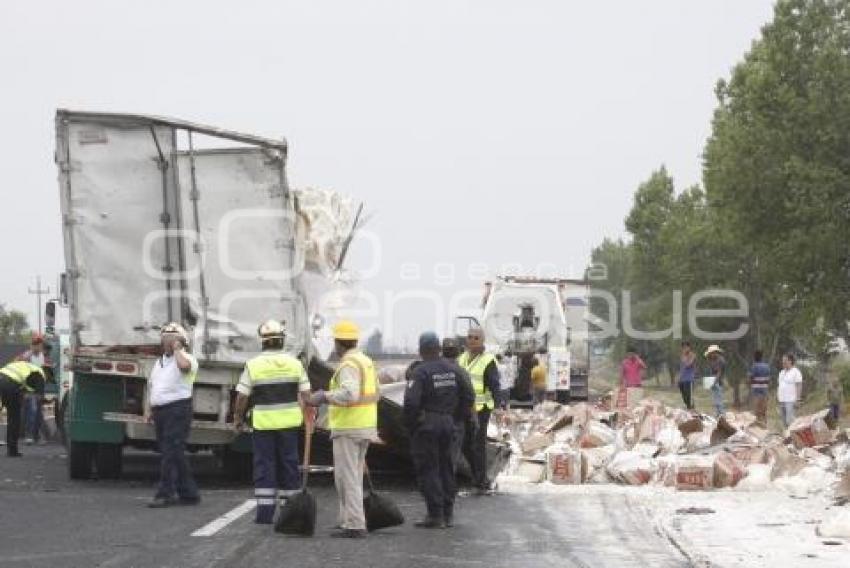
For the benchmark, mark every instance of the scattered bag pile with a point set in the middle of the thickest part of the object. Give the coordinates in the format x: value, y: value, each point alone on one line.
x: 671, y: 447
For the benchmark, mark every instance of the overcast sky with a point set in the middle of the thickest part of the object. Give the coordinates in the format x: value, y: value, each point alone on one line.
x: 475, y: 132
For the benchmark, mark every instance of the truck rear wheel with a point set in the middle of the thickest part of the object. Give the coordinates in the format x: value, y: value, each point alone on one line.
x: 109, y: 460
x: 61, y: 408
x: 80, y: 456
x: 238, y: 466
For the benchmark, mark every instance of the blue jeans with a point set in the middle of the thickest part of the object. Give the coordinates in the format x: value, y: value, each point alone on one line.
x: 173, y: 422
x: 717, y: 398
x: 275, y: 467
x: 33, y: 416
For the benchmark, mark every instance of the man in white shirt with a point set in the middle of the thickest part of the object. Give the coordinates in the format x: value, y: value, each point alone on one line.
x: 790, y: 389
x: 170, y: 398
x: 507, y: 374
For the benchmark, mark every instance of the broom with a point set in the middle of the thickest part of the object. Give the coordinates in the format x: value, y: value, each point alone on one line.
x: 298, y: 515
x: 380, y: 511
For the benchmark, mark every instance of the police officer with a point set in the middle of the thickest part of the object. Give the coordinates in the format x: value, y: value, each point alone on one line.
x: 276, y: 383
x: 439, y: 390
x: 16, y: 379
x: 486, y: 383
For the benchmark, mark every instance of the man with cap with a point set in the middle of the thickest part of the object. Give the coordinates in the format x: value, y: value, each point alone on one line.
x: 170, y: 403
x: 16, y: 379
x: 717, y: 366
x: 33, y: 414
x: 353, y: 421
x: 277, y: 385
x: 438, y: 393
x: 484, y: 374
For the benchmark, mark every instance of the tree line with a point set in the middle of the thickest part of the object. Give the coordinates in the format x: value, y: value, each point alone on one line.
x: 770, y: 218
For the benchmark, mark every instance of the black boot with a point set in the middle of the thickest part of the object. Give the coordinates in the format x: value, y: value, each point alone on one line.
x: 430, y: 523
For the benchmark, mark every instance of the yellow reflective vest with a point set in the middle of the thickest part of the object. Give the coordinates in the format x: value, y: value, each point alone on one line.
x: 275, y: 384
x: 475, y: 366
x: 364, y: 412
x: 18, y: 371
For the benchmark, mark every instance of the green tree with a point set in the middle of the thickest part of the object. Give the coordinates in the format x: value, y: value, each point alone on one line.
x: 777, y: 170
x: 13, y: 326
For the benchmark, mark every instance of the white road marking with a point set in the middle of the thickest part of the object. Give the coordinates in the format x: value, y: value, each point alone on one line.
x: 216, y: 525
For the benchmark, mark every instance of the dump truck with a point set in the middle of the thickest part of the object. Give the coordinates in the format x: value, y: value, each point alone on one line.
x: 544, y: 317
x: 168, y: 220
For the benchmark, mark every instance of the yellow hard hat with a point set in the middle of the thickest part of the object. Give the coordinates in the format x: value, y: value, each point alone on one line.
x: 270, y: 329
x: 346, y: 330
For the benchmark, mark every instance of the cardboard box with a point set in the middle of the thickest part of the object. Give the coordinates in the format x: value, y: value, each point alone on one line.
x: 814, y: 430
x: 694, y: 473
x: 784, y: 462
x: 728, y: 471
x: 722, y: 432
x: 751, y: 454
x: 563, y: 467
x: 631, y: 468
x: 597, y: 435
x: 690, y: 426
x: 651, y: 426
x: 536, y: 442
x: 533, y: 471
x: 593, y: 460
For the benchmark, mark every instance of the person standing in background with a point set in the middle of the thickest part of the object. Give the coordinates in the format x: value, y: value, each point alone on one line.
x: 834, y: 395
x: 538, y: 381
x: 687, y: 373
x: 507, y: 375
x: 631, y: 376
x: 33, y: 401
x: 717, y: 366
x: 790, y: 389
x: 759, y: 383
x: 484, y: 374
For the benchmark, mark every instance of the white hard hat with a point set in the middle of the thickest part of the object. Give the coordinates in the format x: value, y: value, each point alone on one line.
x: 270, y: 329
x: 713, y: 349
x: 174, y: 328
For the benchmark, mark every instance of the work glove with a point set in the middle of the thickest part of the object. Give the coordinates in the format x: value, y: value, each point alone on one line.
x: 317, y: 398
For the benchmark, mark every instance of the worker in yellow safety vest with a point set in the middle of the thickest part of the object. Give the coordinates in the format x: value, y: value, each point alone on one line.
x: 353, y: 420
x: 277, y: 385
x: 484, y: 373
x: 16, y: 379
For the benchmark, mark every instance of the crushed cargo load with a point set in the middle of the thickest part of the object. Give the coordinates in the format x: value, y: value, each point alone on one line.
x: 685, y: 450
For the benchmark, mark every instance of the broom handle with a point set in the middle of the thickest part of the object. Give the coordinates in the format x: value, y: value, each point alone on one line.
x: 308, y: 442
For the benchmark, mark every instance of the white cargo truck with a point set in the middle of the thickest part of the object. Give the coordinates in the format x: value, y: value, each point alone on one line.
x: 161, y: 223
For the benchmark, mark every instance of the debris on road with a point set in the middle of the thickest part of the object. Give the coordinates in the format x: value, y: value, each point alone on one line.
x: 652, y: 444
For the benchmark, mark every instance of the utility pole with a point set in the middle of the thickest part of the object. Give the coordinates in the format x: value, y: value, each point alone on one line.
x: 38, y: 293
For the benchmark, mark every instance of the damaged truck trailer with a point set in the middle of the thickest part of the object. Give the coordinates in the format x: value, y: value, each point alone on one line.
x: 160, y: 223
